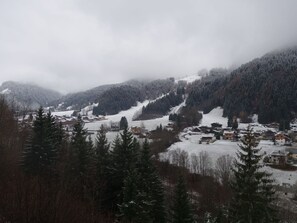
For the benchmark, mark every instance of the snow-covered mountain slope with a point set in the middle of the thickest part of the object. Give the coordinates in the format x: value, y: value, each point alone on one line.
x: 27, y: 95
x: 189, y: 79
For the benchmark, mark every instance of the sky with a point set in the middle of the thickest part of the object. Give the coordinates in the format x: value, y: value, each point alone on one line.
x: 73, y: 45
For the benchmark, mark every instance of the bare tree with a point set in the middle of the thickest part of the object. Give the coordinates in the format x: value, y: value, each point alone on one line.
x: 223, y: 168
x: 195, y: 163
x: 204, y: 164
x: 180, y: 158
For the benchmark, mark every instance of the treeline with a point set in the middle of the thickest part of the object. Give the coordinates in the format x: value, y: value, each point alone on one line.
x: 161, y: 106
x: 150, y: 89
x: 124, y: 97
x: 117, y: 99
x: 266, y: 86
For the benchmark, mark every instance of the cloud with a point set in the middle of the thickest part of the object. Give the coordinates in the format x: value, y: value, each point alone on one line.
x: 72, y: 45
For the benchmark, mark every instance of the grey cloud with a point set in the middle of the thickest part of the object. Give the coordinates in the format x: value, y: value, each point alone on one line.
x: 72, y: 45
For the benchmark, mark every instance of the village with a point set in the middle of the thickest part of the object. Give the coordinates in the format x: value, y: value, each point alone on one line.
x: 283, y: 144
x: 282, y: 150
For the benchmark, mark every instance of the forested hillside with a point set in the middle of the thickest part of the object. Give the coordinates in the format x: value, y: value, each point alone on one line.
x: 266, y: 86
x: 151, y: 90
x: 27, y: 96
x: 161, y: 106
x: 117, y: 99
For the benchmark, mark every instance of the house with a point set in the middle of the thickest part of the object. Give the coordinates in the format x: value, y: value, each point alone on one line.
x: 228, y: 135
x: 278, y: 158
x: 281, y: 139
x: 205, y: 129
x: 292, y: 155
x: 207, y: 139
x: 268, y: 135
x: 137, y: 130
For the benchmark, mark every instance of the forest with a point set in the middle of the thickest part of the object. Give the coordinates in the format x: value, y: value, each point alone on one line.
x: 49, y: 175
x: 161, y: 107
x: 266, y: 86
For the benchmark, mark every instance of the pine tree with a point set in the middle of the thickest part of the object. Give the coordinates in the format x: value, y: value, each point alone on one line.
x: 134, y: 206
x: 80, y: 154
x: 123, y: 123
x: 252, y: 187
x: 40, y: 153
x: 102, y: 163
x: 151, y: 185
x: 123, y: 159
x: 182, y: 212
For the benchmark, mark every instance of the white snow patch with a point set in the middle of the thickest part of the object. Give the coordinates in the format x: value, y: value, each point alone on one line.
x: 6, y: 91
x: 215, y: 115
x: 63, y: 113
x: 189, y: 79
x: 176, y: 109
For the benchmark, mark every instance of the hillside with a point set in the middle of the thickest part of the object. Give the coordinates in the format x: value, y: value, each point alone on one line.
x: 266, y: 86
x: 151, y: 90
x: 27, y: 96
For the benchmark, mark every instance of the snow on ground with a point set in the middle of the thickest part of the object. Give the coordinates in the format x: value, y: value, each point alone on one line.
x: 176, y: 109
x: 189, y: 79
x: 149, y: 124
x: 63, y: 113
x: 190, y: 144
x: 215, y: 115
x: 5, y: 91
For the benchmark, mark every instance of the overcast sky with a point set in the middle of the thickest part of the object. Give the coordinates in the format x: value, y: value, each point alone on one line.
x: 71, y: 45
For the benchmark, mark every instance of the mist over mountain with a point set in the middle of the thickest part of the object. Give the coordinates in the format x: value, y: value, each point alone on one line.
x: 27, y: 96
x: 266, y: 86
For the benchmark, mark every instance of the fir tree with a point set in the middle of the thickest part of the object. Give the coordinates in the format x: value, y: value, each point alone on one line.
x: 123, y: 123
x: 182, y: 212
x: 253, y: 189
x: 134, y: 207
x: 151, y: 185
x: 102, y: 163
x: 40, y: 153
x: 123, y: 159
x: 80, y: 153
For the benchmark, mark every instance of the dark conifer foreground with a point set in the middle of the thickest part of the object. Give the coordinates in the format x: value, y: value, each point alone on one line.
x: 41, y: 150
x: 252, y: 187
x: 182, y: 211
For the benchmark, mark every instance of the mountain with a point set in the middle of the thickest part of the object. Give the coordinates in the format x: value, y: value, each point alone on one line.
x: 27, y: 96
x: 149, y: 90
x: 266, y: 86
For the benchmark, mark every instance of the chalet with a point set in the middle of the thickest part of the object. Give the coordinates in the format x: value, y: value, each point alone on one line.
x: 137, y: 130
x: 228, y: 135
x: 278, y: 158
x: 205, y: 129
x: 216, y: 126
x: 292, y: 155
x: 207, y: 139
x: 268, y: 135
x: 281, y: 138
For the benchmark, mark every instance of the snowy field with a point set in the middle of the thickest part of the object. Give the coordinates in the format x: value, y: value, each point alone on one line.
x: 129, y: 114
x: 190, y: 143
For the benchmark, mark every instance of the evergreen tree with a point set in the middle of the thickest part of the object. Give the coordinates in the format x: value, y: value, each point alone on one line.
x: 134, y: 207
x: 123, y: 123
x: 151, y: 185
x: 143, y: 194
x: 182, y: 212
x: 253, y: 190
x: 102, y: 162
x: 80, y: 154
x: 40, y: 153
x: 123, y: 159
